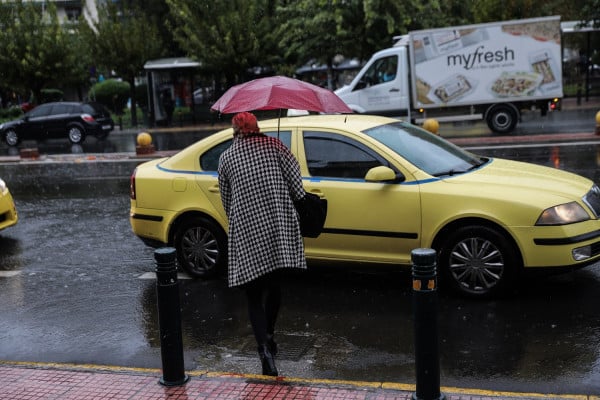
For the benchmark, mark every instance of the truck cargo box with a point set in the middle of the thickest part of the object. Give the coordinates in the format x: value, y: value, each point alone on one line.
x: 486, y: 63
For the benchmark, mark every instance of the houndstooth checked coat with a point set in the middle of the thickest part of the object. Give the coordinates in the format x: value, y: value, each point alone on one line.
x: 258, y: 179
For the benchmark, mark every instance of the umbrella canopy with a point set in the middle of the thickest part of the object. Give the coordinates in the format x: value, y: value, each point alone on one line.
x: 279, y: 92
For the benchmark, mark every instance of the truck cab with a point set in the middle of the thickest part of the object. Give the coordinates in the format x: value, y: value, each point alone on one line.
x: 381, y: 86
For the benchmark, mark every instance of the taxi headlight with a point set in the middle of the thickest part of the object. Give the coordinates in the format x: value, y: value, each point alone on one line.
x: 2, y: 186
x: 563, y: 214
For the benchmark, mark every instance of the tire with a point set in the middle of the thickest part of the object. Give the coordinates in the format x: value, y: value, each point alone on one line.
x: 478, y: 261
x: 201, y: 247
x: 502, y: 118
x: 11, y: 137
x: 76, y: 134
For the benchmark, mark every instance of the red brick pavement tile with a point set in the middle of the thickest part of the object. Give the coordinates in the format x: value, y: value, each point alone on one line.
x: 33, y: 383
x: 71, y: 382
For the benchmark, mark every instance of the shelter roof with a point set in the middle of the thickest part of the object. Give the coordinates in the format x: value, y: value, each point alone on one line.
x: 171, y: 63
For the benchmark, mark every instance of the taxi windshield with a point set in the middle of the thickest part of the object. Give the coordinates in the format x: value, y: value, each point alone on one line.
x: 426, y: 151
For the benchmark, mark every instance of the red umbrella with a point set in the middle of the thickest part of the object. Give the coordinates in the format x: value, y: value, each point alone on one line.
x: 279, y: 92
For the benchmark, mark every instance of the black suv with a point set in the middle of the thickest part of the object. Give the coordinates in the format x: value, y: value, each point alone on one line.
x: 59, y: 119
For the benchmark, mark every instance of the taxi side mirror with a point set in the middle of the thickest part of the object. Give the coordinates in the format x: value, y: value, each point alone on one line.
x: 383, y: 175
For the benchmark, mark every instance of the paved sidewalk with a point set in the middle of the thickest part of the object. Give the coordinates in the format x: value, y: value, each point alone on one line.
x: 29, y: 381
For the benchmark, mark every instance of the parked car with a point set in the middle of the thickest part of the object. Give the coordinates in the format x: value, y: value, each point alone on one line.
x: 391, y: 187
x: 8, y: 211
x: 72, y: 120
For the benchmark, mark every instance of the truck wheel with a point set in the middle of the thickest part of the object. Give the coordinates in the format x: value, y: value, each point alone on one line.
x: 502, y: 118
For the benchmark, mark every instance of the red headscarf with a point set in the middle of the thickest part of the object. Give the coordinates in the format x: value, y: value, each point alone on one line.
x: 245, y: 123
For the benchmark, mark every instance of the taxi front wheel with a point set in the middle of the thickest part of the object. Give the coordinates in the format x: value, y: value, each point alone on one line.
x: 478, y: 261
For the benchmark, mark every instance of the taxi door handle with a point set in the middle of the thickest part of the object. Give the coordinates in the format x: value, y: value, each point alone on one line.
x: 214, y: 189
x: 317, y: 192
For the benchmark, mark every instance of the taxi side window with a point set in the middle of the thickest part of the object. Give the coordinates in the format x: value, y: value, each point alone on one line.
x: 284, y: 136
x: 335, y: 156
x: 209, y: 160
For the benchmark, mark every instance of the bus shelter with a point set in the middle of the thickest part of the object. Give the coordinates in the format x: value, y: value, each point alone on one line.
x: 170, y: 83
x: 585, y: 63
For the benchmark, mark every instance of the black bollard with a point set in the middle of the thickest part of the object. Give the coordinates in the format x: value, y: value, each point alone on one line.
x: 425, y: 314
x: 169, y: 318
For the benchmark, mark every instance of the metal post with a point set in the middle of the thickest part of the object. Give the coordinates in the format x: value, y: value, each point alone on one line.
x: 169, y: 318
x: 425, y: 314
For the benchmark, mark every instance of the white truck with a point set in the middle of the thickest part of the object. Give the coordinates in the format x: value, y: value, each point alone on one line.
x: 490, y: 71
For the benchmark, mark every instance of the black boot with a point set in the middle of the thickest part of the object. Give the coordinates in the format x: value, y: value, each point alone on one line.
x: 272, y: 344
x: 267, y: 360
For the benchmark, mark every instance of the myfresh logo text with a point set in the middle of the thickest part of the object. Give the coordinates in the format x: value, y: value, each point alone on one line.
x: 480, y: 56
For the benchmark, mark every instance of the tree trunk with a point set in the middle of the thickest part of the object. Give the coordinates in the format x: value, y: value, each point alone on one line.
x: 132, y: 96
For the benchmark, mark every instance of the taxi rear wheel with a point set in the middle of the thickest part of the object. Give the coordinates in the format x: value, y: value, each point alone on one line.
x: 478, y: 261
x: 201, y: 247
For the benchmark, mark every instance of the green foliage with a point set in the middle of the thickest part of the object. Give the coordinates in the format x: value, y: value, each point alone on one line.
x: 156, y: 12
x: 493, y: 10
x: 10, y: 113
x: 48, y: 95
x: 123, y: 39
x: 590, y: 12
x: 227, y: 36
x: 311, y: 27
x: 113, y: 94
x: 36, y: 49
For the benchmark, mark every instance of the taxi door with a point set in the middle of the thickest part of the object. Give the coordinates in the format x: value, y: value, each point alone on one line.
x: 370, y: 221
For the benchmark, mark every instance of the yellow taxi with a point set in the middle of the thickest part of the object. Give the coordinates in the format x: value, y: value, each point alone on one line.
x: 391, y: 187
x: 8, y: 211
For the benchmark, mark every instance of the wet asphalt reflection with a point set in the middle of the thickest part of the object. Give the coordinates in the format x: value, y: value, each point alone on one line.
x: 73, y: 289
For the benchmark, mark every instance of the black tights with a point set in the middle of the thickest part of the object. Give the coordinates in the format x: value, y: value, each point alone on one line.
x: 264, y: 299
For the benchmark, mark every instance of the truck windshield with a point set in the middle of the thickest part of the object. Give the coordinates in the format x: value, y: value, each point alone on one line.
x: 426, y: 151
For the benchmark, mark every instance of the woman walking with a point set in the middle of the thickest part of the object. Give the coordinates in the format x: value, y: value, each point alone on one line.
x: 259, y: 180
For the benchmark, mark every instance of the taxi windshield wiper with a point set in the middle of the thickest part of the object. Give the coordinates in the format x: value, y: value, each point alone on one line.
x: 452, y: 172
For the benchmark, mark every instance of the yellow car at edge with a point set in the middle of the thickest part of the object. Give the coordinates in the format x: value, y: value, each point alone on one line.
x: 391, y: 187
x: 8, y: 211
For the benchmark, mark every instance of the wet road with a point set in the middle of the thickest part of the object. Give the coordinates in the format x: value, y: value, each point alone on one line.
x: 76, y: 286
x: 80, y: 295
